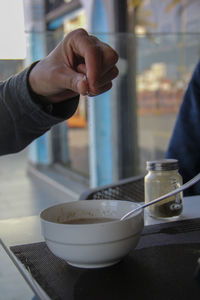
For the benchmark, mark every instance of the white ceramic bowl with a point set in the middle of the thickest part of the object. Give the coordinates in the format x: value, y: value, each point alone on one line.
x: 91, y: 245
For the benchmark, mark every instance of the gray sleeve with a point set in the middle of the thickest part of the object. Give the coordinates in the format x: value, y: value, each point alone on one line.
x: 21, y: 119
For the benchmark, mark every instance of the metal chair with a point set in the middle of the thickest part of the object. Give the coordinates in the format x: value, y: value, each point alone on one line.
x: 131, y: 189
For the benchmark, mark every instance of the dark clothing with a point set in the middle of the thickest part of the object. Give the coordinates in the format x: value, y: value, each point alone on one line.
x: 22, y: 117
x: 185, y: 141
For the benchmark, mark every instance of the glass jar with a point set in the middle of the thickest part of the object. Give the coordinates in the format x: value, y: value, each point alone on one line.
x: 163, y: 177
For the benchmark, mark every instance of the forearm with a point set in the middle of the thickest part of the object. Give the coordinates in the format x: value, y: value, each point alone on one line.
x: 30, y: 103
x: 22, y: 117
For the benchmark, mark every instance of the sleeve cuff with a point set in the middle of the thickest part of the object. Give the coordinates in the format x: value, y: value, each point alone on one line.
x: 20, y: 103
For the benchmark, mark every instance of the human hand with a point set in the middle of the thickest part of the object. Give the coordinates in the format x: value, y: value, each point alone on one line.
x: 80, y: 64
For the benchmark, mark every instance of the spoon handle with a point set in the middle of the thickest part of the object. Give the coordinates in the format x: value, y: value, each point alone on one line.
x: 178, y: 190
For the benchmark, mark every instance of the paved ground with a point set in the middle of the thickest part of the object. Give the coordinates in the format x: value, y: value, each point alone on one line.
x: 24, y: 195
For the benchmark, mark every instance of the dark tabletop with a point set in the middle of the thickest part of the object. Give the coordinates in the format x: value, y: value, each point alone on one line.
x: 162, y: 267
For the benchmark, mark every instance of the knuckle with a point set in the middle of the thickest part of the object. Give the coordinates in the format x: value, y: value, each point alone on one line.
x: 105, y: 88
x: 109, y: 86
x: 94, y: 38
x: 95, y: 90
x: 114, y: 57
x: 76, y: 34
x: 116, y: 72
x: 95, y: 49
x: 80, y: 32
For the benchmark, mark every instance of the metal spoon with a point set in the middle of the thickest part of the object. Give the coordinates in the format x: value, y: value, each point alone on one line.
x: 178, y: 190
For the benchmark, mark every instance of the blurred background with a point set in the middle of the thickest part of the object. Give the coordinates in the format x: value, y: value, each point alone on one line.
x: 111, y: 136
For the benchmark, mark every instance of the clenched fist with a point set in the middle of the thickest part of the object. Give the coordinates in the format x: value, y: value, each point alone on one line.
x: 80, y: 64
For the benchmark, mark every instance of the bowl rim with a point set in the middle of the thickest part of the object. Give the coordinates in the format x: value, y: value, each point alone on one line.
x: 43, y: 219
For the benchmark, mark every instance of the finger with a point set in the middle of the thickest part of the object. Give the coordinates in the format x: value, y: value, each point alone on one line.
x: 98, y: 56
x: 87, y: 47
x: 110, y: 58
x: 73, y: 80
x: 94, y: 64
x: 105, y: 78
x: 101, y: 90
x: 109, y: 76
x: 100, y: 62
x: 81, y: 68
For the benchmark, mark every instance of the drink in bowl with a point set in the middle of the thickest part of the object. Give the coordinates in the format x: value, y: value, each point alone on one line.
x: 89, y: 233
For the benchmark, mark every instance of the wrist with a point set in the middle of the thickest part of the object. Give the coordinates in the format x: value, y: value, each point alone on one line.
x: 45, y: 90
x: 33, y: 83
x: 41, y: 101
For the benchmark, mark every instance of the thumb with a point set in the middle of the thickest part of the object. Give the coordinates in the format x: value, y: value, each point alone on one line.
x: 76, y: 82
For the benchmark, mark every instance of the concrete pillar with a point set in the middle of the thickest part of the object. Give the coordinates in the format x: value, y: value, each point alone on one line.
x: 112, y: 116
x: 52, y: 146
x: 99, y: 108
